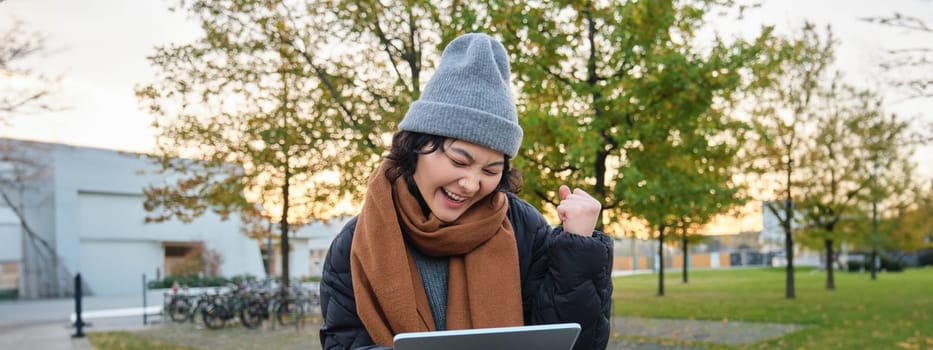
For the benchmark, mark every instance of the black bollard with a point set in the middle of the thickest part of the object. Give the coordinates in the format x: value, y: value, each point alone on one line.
x: 79, y: 323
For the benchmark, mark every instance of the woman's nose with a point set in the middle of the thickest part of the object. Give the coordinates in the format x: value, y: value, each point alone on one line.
x: 470, y: 183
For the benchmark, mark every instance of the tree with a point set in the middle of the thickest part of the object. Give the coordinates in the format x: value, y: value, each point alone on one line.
x: 912, y: 228
x: 261, y: 109
x: 23, y: 176
x: 782, y: 115
x: 899, y: 229
x: 909, y: 67
x: 606, y: 87
x: 702, y: 208
x: 893, y: 191
x: 617, y: 98
x: 684, y: 191
x: 24, y: 91
x: 854, y: 139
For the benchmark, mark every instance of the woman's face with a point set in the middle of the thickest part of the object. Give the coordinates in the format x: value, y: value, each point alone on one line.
x: 453, y: 178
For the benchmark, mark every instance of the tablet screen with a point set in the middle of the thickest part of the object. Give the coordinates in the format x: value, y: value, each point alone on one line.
x: 560, y: 336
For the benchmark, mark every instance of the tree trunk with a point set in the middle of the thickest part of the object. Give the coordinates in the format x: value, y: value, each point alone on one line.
x: 789, y: 248
x: 593, y: 80
x: 788, y: 234
x: 284, y: 238
x: 661, y: 260
x: 874, y: 237
x: 686, y: 256
x: 830, y: 281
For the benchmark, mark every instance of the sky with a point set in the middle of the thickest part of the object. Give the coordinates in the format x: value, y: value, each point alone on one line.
x: 99, y: 47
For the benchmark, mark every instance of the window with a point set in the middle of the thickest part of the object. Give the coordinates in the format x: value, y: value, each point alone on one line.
x: 183, y: 258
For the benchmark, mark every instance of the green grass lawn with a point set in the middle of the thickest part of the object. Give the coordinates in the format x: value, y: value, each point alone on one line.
x: 893, y: 312
x: 128, y: 341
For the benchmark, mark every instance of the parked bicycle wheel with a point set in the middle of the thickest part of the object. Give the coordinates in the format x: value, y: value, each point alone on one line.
x: 289, y: 312
x: 252, y: 314
x: 195, y: 314
x: 214, y: 316
x: 178, y: 310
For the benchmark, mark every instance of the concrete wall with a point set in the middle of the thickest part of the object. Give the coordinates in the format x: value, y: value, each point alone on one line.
x: 88, y: 205
x: 114, y: 267
x: 11, y: 236
x: 626, y: 263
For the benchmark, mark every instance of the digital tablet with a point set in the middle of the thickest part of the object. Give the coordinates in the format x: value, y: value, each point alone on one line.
x: 559, y: 336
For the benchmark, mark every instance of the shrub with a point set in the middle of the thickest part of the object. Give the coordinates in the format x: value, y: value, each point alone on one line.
x: 240, y: 279
x: 925, y: 258
x: 9, y: 294
x: 856, y: 266
x: 891, y: 264
x: 311, y: 279
x: 189, y: 281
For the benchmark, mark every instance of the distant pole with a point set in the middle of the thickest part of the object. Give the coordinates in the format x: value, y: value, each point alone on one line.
x: 145, y: 321
x: 79, y: 322
x: 634, y: 254
x: 269, y: 253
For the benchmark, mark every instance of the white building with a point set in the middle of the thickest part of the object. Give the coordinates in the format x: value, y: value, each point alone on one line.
x: 315, y: 239
x: 84, y: 211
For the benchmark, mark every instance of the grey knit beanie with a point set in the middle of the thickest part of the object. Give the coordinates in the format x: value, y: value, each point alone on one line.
x: 469, y: 97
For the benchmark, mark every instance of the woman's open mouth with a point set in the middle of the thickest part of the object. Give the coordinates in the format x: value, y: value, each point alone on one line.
x: 455, y: 198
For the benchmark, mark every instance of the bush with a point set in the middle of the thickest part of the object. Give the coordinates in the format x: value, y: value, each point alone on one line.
x: 925, y: 258
x: 311, y: 279
x: 891, y: 265
x: 190, y: 281
x: 9, y: 294
x: 240, y: 279
x: 856, y: 266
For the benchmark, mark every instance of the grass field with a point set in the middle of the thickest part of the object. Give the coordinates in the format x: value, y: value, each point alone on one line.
x: 129, y: 341
x: 893, y: 312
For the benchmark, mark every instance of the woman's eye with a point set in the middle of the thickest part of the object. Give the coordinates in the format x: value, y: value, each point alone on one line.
x: 457, y: 162
x: 491, y: 173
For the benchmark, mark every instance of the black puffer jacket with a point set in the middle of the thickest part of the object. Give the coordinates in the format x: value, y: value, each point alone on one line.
x: 565, y: 278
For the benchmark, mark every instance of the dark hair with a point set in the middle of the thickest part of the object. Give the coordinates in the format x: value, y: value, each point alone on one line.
x: 407, y: 145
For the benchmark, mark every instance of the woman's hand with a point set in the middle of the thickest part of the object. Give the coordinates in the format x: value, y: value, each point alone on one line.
x: 578, y: 211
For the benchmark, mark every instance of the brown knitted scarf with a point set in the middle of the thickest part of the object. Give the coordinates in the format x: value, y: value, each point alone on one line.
x: 483, y: 283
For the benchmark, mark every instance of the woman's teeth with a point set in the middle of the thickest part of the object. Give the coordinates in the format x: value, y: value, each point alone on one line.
x: 454, y: 197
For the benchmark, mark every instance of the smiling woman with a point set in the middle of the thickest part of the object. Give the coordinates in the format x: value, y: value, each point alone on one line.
x: 442, y: 242
x: 457, y: 175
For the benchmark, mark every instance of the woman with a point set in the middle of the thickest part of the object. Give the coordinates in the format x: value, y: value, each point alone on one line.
x: 442, y: 243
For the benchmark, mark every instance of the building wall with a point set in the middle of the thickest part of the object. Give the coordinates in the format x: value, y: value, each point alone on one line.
x: 721, y: 260
x: 12, y: 247
x: 10, y: 253
x: 622, y: 263
x: 89, y: 207
x: 318, y: 237
x: 41, y: 273
x: 110, y: 221
x: 115, y: 267
x: 702, y: 260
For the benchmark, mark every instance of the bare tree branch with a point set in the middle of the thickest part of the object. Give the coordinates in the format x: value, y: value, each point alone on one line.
x: 26, y: 92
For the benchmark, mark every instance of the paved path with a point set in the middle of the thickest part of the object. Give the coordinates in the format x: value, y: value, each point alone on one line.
x: 50, y: 336
x: 46, y: 324
x: 732, y: 332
